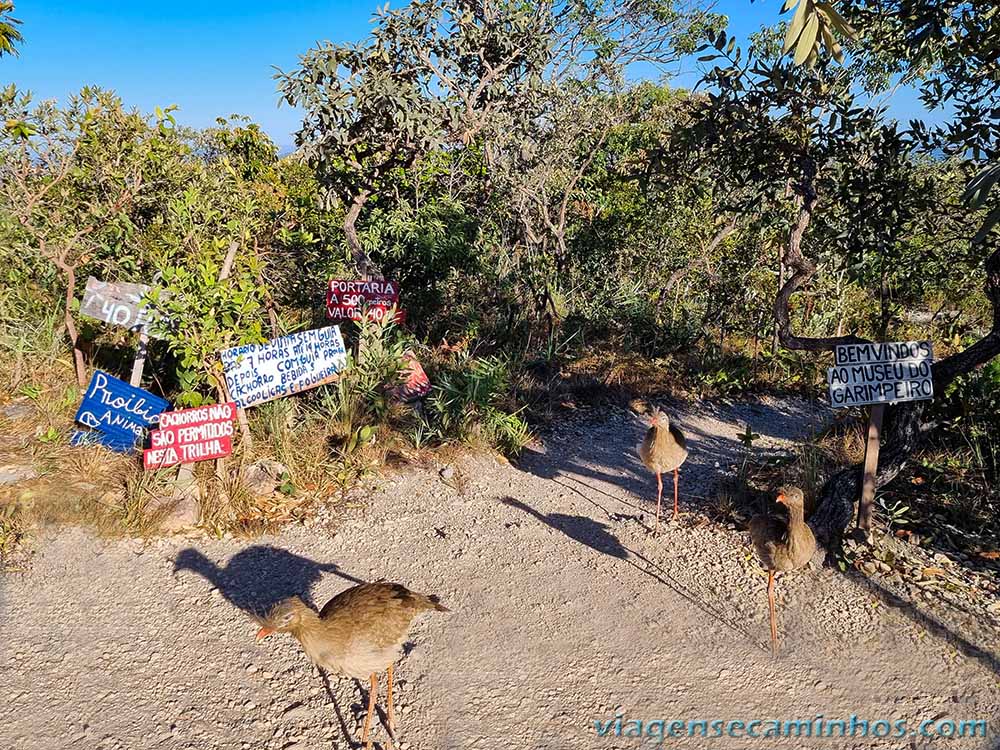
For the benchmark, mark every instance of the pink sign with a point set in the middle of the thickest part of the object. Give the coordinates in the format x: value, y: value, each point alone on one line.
x: 189, y: 435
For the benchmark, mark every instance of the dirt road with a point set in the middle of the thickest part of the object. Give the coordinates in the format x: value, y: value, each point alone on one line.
x: 566, y: 611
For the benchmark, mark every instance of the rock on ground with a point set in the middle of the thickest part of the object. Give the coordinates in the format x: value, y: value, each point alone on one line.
x: 565, y: 611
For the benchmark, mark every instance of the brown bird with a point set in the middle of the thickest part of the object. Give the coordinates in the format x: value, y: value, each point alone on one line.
x: 663, y: 449
x: 782, y: 545
x: 359, y: 633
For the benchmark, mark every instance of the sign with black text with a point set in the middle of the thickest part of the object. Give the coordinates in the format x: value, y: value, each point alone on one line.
x: 881, y: 373
x: 119, y: 303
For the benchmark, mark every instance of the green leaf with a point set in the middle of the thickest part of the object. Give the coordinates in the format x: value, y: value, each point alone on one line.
x: 991, y: 221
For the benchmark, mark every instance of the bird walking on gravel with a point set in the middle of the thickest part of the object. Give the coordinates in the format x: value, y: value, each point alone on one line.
x: 782, y: 545
x: 359, y: 633
x: 663, y: 449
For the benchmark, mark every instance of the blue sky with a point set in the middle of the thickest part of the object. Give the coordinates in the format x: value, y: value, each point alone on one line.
x: 216, y: 57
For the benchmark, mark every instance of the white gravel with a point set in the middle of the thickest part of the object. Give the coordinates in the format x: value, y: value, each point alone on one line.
x: 565, y: 610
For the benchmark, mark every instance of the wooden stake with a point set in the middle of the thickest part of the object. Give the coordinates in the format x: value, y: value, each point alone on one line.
x: 227, y: 267
x: 140, y: 359
x: 865, y: 507
x: 241, y: 414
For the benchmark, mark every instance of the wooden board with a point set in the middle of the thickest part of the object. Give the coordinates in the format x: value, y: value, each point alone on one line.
x: 349, y: 299
x: 116, y: 412
x: 190, y: 435
x: 117, y: 303
x: 262, y: 372
x: 867, y: 374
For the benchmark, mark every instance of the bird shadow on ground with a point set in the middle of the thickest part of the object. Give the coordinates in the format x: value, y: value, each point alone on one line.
x: 598, y: 537
x: 356, y: 708
x: 258, y: 577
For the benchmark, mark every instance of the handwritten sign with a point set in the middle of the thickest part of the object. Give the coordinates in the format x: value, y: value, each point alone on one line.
x: 346, y: 300
x: 416, y: 384
x: 190, y: 435
x: 881, y: 373
x: 118, y: 413
x: 117, y: 303
x: 290, y: 364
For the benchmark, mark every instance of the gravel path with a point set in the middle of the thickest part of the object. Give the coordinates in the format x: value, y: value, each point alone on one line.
x: 566, y: 610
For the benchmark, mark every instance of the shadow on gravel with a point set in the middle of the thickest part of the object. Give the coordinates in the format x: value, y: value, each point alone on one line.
x: 596, y: 535
x: 582, y: 529
x: 258, y: 577
x: 606, y: 453
x: 344, y: 730
x: 907, y: 608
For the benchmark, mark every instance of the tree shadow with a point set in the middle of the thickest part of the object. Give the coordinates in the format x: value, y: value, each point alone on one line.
x: 258, y: 577
x: 910, y: 610
x: 608, y: 455
x: 596, y: 535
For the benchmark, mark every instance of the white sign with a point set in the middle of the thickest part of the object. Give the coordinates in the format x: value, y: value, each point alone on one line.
x: 297, y: 362
x: 881, y: 373
x: 117, y: 303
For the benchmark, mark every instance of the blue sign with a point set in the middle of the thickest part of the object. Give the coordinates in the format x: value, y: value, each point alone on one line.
x: 115, y: 442
x: 119, y: 412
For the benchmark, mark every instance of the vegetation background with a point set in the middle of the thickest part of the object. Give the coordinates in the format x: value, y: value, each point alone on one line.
x: 563, y: 233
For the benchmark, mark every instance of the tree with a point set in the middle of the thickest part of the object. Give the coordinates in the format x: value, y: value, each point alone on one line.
x: 69, y: 177
x: 538, y: 153
x: 812, y: 143
x: 427, y: 75
x: 10, y: 35
x: 438, y: 73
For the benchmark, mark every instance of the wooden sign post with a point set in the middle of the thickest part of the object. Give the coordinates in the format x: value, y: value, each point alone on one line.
x: 876, y: 375
x: 871, y: 467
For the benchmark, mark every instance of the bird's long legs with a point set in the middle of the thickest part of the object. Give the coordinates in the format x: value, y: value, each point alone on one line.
x: 372, y: 692
x: 659, y: 496
x: 770, y: 603
x: 676, y: 473
x: 389, y: 711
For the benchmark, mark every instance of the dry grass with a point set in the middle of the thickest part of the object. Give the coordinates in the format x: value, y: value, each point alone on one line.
x: 631, y: 373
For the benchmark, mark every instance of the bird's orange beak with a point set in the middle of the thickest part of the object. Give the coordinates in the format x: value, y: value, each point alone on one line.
x: 263, y: 633
x: 781, y: 498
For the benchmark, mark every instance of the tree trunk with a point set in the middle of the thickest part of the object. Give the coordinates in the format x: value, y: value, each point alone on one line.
x: 362, y: 262
x: 836, y: 505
